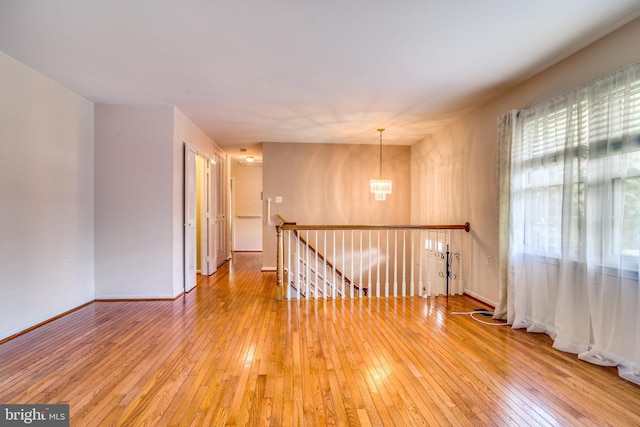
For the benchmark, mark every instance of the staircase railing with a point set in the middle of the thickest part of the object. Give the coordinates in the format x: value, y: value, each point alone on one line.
x: 305, y: 266
x: 335, y: 261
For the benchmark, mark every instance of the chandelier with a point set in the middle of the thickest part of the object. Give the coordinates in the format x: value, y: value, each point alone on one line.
x: 380, y: 187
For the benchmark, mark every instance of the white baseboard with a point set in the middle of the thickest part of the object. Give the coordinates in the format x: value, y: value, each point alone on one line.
x: 136, y: 297
x: 481, y: 298
x: 44, y: 319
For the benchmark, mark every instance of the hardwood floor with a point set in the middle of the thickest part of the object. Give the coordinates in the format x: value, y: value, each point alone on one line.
x: 228, y: 354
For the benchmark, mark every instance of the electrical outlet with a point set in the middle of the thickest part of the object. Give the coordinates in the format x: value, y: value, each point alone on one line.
x: 489, y: 260
x: 65, y: 264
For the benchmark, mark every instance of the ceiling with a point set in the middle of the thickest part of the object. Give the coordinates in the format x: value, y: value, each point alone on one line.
x: 329, y: 71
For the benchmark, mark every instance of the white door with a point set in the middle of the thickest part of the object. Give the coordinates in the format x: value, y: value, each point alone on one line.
x: 221, y: 227
x: 208, y: 234
x: 189, y: 217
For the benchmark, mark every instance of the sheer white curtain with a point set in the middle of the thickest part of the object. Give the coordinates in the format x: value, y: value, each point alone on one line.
x: 507, y: 127
x: 574, y: 221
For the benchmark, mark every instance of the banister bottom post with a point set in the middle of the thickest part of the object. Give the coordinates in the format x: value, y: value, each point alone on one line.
x: 279, y: 263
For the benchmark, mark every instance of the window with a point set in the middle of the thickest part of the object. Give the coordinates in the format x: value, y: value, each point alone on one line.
x: 576, y: 168
x: 625, y: 217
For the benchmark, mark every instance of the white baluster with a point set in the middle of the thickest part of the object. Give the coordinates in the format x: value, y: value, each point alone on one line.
x: 324, y: 270
x: 395, y: 263
x: 378, y: 266
x: 386, y: 274
x: 296, y: 267
x: 429, y: 256
x: 308, y: 267
x: 334, y: 285
x: 361, y: 282
x: 459, y: 258
x: 420, y: 252
x: 288, y: 252
x: 369, y: 285
x: 343, y: 266
x: 413, y: 263
x: 453, y: 257
x: 353, y: 267
x: 436, y: 250
x: 316, y: 283
x: 404, y: 263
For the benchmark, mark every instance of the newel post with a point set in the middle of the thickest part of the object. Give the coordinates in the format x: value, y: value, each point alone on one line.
x: 279, y: 262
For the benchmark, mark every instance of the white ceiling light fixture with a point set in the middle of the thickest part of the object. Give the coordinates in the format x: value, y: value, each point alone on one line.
x: 247, y: 158
x: 380, y: 187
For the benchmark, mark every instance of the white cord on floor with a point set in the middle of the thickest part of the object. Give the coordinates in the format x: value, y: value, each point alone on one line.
x: 471, y: 314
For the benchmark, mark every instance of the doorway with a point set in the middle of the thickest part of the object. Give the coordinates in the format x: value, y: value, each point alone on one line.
x: 246, y: 208
x: 201, y: 193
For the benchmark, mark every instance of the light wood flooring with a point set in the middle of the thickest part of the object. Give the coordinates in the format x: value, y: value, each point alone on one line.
x: 228, y: 354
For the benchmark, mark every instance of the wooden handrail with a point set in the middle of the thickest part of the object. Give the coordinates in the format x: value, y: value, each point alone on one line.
x: 293, y: 226
x: 283, y: 221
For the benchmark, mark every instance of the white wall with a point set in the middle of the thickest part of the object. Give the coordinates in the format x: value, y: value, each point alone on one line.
x: 454, y: 174
x: 326, y: 184
x: 133, y: 201
x: 46, y: 198
x: 140, y: 199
